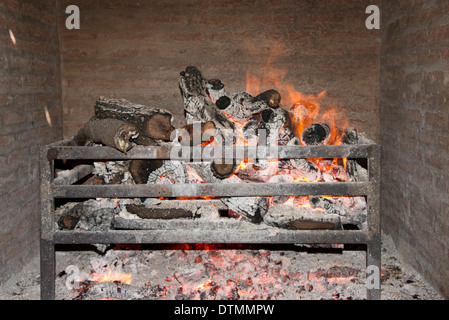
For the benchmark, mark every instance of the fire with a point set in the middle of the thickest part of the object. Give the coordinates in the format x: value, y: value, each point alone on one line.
x: 112, y: 276
x: 304, y: 109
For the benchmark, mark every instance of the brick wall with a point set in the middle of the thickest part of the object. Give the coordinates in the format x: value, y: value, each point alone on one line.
x: 414, y: 112
x: 30, y: 115
x: 136, y: 49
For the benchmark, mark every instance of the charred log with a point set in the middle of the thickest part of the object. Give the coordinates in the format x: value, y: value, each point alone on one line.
x: 330, y: 206
x: 145, y: 212
x: 271, y: 123
x: 110, y: 132
x: 271, y: 97
x: 316, y: 134
x: 141, y: 169
x: 195, y: 135
x: 215, y: 89
x: 151, y: 122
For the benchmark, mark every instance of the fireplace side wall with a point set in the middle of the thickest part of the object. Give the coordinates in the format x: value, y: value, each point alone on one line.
x: 414, y: 112
x: 30, y: 116
x: 136, y: 49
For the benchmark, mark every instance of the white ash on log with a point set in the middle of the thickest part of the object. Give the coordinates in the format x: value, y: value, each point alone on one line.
x: 89, y: 215
x: 351, y: 136
x: 316, y: 134
x: 302, y: 218
x: 215, y: 89
x: 250, y: 208
x: 305, y: 168
x: 241, y: 105
x: 110, y: 132
x: 271, y: 123
x: 329, y: 205
x: 171, y: 171
x: 151, y: 122
x: 113, y: 172
x: 199, y: 107
x: 280, y: 178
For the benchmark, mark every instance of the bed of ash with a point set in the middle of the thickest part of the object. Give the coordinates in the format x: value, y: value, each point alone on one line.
x: 176, y: 273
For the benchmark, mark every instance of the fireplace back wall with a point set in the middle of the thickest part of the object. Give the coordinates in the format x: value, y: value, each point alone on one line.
x: 136, y: 49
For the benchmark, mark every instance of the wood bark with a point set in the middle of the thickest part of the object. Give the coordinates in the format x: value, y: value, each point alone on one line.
x: 110, y: 132
x: 151, y: 122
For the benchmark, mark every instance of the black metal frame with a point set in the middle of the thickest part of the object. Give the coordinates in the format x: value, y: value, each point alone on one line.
x: 51, y: 236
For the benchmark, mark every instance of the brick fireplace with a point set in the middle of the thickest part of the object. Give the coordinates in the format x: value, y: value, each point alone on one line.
x: 389, y: 83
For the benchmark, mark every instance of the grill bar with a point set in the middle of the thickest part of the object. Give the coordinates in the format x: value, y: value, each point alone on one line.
x: 50, y: 191
x: 212, y: 190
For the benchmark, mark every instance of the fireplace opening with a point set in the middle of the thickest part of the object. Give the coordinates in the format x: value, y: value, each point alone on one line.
x: 232, y: 137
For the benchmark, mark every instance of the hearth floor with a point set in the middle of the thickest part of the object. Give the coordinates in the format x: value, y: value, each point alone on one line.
x: 238, y: 273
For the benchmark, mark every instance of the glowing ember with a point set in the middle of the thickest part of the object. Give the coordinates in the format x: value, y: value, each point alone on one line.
x: 112, y: 276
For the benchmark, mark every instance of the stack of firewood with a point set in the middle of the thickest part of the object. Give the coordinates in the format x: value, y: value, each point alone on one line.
x: 230, y: 119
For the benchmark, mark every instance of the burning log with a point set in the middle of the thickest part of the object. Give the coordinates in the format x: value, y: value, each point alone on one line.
x: 196, y: 134
x: 329, y: 205
x: 171, y: 171
x: 316, y: 134
x: 250, y: 208
x: 271, y: 97
x: 241, y: 106
x: 302, y: 218
x: 110, y: 132
x: 271, y: 123
x: 305, y: 168
x: 151, y: 122
x: 198, y: 106
x: 222, y: 170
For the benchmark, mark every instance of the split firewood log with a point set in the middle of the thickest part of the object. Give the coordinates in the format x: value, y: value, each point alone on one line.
x: 151, y: 122
x: 110, y: 132
x: 199, y: 107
